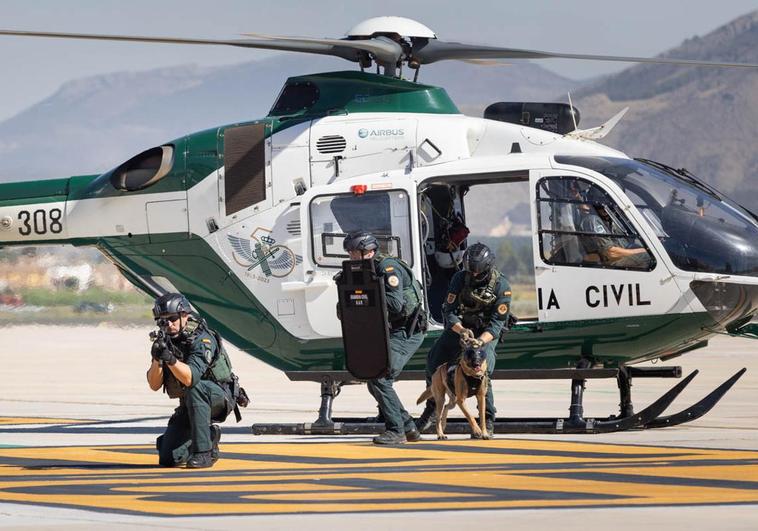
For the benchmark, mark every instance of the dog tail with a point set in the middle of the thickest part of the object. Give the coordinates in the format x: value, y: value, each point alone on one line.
x: 426, y: 395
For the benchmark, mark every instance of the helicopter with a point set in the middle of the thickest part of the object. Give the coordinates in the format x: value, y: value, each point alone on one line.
x: 247, y: 221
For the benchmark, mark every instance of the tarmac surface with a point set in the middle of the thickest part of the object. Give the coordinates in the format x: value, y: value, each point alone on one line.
x: 78, y: 425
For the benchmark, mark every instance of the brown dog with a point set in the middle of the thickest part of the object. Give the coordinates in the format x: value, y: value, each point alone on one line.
x: 458, y: 382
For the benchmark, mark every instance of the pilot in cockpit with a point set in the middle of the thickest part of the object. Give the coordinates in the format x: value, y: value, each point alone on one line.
x: 595, y: 218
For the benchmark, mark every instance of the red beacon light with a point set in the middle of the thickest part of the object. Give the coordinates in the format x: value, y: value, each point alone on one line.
x: 359, y: 189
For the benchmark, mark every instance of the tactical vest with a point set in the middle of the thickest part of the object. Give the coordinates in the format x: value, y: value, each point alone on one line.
x: 171, y: 386
x: 476, y: 303
x: 412, y: 295
x: 219, y: 369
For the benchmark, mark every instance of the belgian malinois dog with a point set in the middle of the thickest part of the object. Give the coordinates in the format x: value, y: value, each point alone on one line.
x: 458, y: 381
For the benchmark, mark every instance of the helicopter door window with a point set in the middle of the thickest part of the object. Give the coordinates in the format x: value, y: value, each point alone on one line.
x: 385, y: 214
x: 580, y: 225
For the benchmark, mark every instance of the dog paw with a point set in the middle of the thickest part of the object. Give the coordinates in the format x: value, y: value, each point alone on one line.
x: 441, y: 437
x: 487, y: 436
x: 477, y: 435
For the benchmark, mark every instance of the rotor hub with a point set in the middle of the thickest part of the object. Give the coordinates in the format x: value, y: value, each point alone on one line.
x: 405, y: 27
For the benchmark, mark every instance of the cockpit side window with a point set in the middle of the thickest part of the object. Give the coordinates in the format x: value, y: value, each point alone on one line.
x: 580, y: 225
x: 385, y: 214
x: 700, y: 229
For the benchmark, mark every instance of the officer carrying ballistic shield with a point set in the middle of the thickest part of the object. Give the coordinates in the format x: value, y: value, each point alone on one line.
x: 407, y: 325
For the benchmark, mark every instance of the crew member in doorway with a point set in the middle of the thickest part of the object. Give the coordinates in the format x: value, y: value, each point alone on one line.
x: 476, y: 311
x: 407, y: 327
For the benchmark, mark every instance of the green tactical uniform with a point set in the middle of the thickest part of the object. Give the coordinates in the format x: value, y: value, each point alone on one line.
x: 207, y: 400
x: 460, y: 307
x: 600, y: 245
x: 403, y: 296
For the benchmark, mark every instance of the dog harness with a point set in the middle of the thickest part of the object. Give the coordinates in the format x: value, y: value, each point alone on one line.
x: 472, y: 382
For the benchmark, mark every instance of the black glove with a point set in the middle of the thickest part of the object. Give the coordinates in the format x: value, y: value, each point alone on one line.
x: 161, y: 352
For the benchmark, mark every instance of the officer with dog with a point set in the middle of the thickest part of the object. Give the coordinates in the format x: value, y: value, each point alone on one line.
x: 475, y: 311
x: 407, y: 321
x: 190, y: 363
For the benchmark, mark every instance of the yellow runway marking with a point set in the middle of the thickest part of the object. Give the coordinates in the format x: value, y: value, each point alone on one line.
x: 340, y: 477
x: 39, y: 420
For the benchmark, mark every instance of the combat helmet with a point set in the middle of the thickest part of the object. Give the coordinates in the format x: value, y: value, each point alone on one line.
x: 171, y: 304
x: 478, y: 260
x: 360, y: 241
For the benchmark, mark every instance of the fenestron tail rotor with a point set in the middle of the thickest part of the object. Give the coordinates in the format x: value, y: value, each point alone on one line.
x: 390, y: 42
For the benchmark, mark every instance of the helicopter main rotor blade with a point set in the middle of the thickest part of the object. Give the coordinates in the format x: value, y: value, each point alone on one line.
x: 338, y: 48
x: 384, y: 49
x: 432, y: 51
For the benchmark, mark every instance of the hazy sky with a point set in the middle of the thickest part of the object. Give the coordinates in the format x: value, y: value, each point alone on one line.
x: 34, y: 68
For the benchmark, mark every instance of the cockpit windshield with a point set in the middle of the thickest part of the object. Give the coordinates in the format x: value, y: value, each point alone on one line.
x: 700, y: 229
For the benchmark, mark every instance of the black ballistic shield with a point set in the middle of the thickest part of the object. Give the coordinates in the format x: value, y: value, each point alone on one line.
x: 365, y: 330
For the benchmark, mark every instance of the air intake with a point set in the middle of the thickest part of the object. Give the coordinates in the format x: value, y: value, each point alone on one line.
x: 331, y: 144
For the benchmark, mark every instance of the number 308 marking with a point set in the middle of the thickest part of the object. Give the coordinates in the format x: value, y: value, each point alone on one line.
x: 40, y: 222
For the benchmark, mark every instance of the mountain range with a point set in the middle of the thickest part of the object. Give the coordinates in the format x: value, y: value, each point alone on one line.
x: 705, y: 119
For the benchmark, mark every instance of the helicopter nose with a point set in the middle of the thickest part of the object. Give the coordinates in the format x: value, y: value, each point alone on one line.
x: 729, y: 304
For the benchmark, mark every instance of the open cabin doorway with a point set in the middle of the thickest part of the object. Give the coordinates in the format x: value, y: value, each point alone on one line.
x: 494, y: 209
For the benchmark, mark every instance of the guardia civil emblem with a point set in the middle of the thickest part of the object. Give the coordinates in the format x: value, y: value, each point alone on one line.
x: 275, y: 260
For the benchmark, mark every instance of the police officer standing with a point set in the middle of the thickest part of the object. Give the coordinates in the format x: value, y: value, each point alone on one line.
x: 407, y: 326
x: 475, y: 311
x: 189, y: 363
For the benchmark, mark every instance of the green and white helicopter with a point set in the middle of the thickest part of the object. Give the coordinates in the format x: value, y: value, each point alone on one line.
x: 247, y: 221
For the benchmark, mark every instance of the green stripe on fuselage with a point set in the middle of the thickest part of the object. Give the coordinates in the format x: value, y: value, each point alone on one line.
x: 193, y: 267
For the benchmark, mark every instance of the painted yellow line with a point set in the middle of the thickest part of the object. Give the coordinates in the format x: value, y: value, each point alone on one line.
x: 40, y: 420
x: 264, y: 478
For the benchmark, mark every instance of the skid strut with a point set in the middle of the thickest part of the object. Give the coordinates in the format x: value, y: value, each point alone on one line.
x: 650, y: 417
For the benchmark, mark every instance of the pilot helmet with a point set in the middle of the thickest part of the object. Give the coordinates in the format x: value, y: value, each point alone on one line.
x: 360, y: 241
x: 170, y: 304
x: 478, y: 260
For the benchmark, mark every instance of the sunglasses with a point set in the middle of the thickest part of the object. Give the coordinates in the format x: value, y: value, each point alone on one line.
x: 171, y: 318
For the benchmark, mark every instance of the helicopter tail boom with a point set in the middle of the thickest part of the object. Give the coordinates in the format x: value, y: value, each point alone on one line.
x: 71, y: 211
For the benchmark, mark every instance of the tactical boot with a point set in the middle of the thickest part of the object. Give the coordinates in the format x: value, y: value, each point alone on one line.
x: 215, y: 438
x: 390, y: 437
x: 412, y: 435
x: 200, y: 460
x: 425, y: 420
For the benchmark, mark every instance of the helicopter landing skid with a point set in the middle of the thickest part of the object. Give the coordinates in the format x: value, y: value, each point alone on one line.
x: 575, y: 424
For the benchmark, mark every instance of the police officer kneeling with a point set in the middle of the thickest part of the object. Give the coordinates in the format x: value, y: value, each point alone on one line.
x: 407, y: 326
x: 190, y: 363
x: 475, y: 311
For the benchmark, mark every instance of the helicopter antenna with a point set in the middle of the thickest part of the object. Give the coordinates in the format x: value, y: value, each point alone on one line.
x: 573, y: 114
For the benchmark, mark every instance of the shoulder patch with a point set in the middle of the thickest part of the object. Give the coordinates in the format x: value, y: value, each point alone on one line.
x: 208, y: 355
x: 206, y: 340
x: 451, y: 298
x: 507, y: 293
x: 502, y: 309
x: 393, y: 281
x: 389, y: 268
